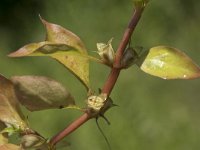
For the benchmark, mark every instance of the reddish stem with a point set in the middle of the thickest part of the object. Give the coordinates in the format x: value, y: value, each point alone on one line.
x: 72, y: 127
x: 112, y: 78
x: 114, y: 74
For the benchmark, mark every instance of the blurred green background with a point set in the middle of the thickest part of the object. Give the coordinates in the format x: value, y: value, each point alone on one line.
x: 153, y: 114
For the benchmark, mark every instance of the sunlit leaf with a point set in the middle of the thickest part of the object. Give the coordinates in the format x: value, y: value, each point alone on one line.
x: 168, y: 63
x: 41, y: 49
x: 10, y: 113
x: 58, y: 34
x: 62, y: 45
x: 78, y: 65
x: 9, y: 147
x: 39, y: 93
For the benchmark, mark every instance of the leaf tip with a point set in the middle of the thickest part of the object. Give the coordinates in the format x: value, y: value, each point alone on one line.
x: 43, y: 21
x: 13, y: 54
x: 18, y: 53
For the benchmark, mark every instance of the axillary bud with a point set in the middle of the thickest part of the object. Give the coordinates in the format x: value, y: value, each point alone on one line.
x: 96, y: 102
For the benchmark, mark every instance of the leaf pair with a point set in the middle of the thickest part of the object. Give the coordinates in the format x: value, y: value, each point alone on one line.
x: 63, y: 46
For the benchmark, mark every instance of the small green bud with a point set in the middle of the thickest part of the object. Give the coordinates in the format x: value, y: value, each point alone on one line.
x: 129, y: 57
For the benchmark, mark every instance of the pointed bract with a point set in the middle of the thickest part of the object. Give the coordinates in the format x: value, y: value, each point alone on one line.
x: 106, y: 52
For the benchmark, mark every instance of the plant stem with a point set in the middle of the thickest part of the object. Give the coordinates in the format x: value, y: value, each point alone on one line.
x: 110, y: 82
x: 114, y: 74
x: 72, y: 127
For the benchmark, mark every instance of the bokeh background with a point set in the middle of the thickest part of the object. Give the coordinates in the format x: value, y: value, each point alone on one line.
x: 153, y: 114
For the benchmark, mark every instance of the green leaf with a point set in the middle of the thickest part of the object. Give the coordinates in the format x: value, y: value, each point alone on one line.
x: 168, y: 63
x: 45, y: 48
x: 10, y: 130
x: 58, y: 34
x: 39, y: 93
x: 9, y: 147
x: 10, y: 113
x: 62, y: 45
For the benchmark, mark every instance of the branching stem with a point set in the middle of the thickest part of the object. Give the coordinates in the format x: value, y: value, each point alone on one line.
x: 112, y: 78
